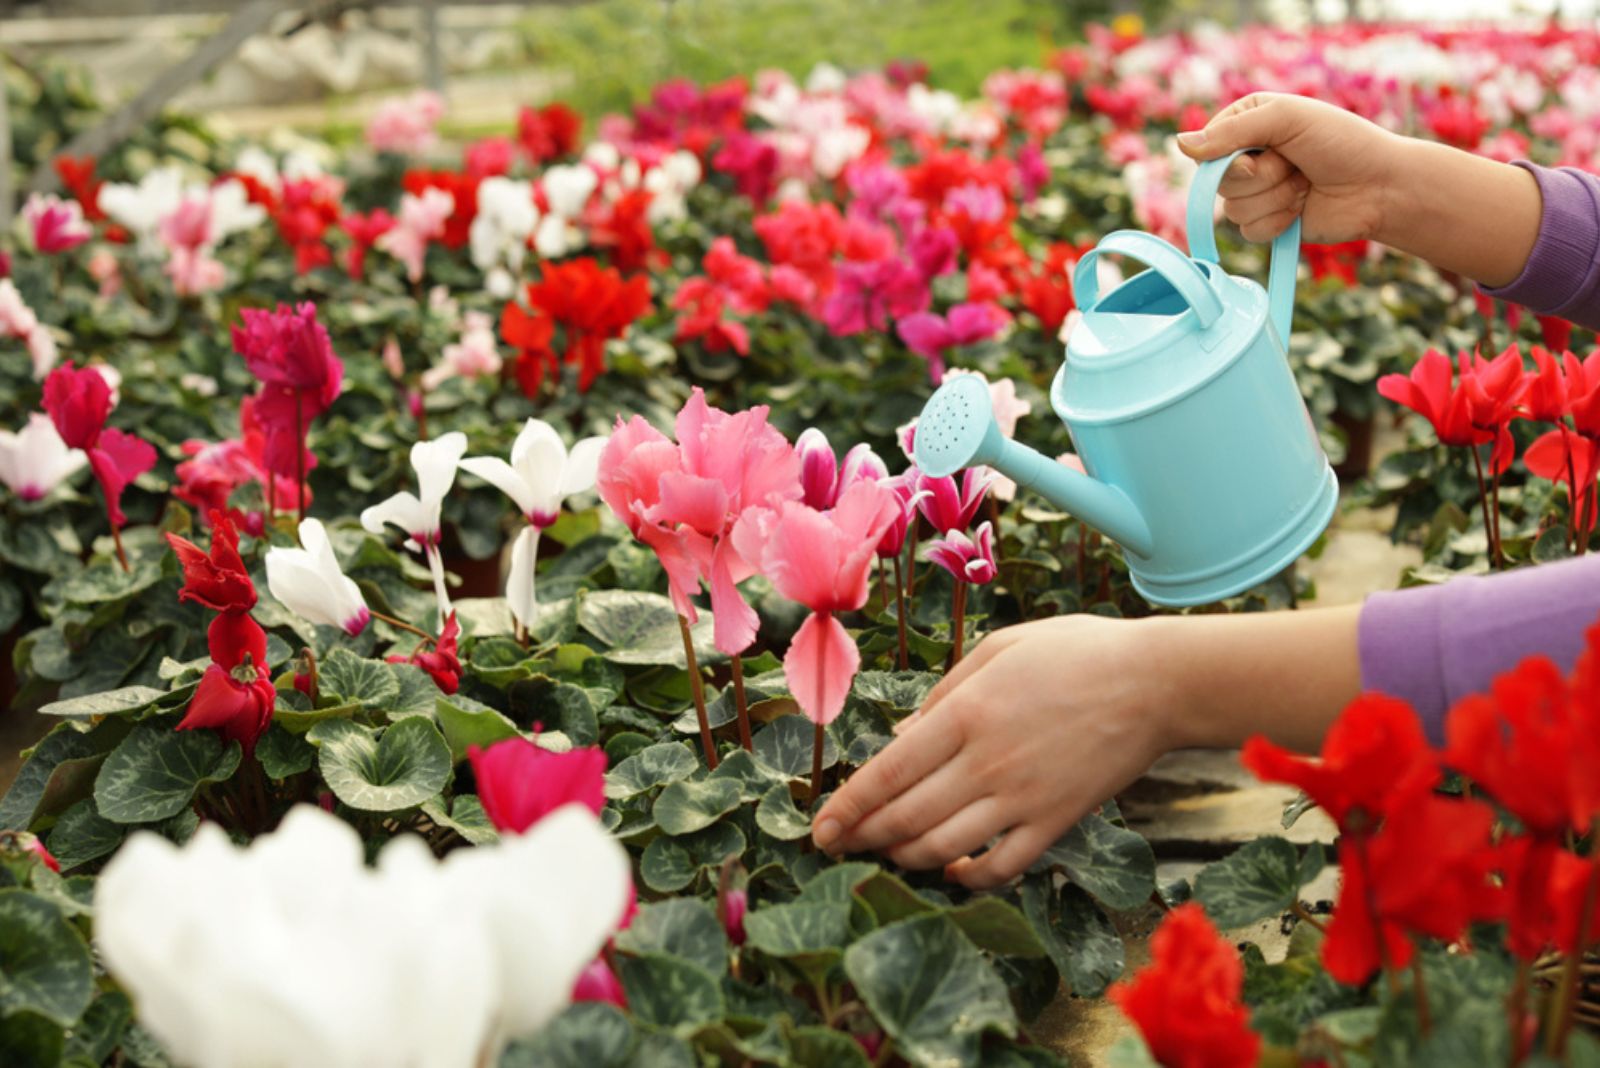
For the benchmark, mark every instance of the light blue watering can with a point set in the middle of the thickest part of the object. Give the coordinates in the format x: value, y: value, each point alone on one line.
x: 1201, y: 457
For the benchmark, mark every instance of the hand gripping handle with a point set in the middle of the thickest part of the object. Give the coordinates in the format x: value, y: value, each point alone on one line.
x: 1203, y: 241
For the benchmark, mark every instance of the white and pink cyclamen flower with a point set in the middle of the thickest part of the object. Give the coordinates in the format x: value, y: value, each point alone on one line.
x: 968, y: 559
x: 418, y: 514
x: 473, y: 356
x: 34, y: 460
x: 311, y: 584
x: 55, y: 225
x: 541, y: 475
x: 18, y: 321
x: 405, y: 124
x: 421, y: 220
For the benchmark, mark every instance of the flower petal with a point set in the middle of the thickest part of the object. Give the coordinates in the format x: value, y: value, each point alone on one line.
x: 520, y: 582
x: 821, y: 662
x: 503, y: 477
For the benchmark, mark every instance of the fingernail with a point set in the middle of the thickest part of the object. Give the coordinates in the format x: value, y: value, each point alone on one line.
x: 825, y: 833
x: 1192, y: 139
x: 1247, y: 166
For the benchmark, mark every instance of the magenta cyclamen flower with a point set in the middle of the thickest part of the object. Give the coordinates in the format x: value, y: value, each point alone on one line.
x: 968, y: 559
x: 869, y: 294
x: 904, y: 488
x: 947, y: 507
x: 821, y: 478
x: 930, y: 335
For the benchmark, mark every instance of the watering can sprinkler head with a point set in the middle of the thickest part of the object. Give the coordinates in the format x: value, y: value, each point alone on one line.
x: 958, y: 429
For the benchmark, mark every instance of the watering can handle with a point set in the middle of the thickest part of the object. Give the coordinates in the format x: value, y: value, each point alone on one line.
x: 1165, y: 260
x: 1203, y: 240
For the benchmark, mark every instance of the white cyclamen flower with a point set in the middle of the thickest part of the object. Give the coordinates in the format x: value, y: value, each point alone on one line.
x: 311, y: 584
x: 413, y: 962
x: 418, y: 514
x: 568, y: 187
x: 35, y: 460
x: 505, y: 220
x: 140, y: 208
x: 541, y: 474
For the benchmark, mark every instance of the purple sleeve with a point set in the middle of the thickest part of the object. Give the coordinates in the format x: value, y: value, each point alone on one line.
x: 1436, y: 644
x: 1562, y: 275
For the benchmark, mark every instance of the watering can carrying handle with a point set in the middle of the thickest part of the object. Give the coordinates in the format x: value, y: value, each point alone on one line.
x: 1203, y: 240
x: 1162, y: 258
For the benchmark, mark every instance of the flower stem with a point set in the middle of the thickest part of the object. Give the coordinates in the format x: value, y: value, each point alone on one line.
x: 958, y: 622
x: 300, y: 452
x: 697, y: 687
x: 1494, y: 490
x: 1516, y: 1010
x: 312, y: 674
x: 883, y: 588
x: 402, y: 625
x: 1304, y: 915
x: 816, y: 765
x: 116, y: 539
x: 1567, y: 992
x: 1483, y: 499
x: 1420, y: 988
x: 744, y: 709
x: 902, y: 653
x: 1572, y: 488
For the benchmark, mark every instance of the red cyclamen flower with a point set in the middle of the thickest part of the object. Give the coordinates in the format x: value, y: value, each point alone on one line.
x: 217, y: 580
x: 1187, y: 1003
x: 440, y: 661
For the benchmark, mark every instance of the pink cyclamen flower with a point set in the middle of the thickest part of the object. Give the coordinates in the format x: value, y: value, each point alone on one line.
x: 422, y: 220
x: 55, y: 225
x: 904, y: 488
x: 968, y: 559
x: 947, y: 507
x: 822, y: 560
x: 473, y: 356
x: 731, y: 909
x: 598, y: 982
x: 405, y: 124
x: 930, y: 335
x: 683, y: 500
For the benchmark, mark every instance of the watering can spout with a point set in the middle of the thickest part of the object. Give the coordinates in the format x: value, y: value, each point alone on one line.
x: 958, y: 430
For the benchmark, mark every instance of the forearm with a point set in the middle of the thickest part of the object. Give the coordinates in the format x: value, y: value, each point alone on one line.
x: 1460, y: 212
x: 1283, y: 674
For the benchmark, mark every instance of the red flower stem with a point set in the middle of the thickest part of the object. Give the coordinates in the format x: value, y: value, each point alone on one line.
x: 312, y: 674
x: 1494, y: 489
x: 116, y: 540
x: 904, y: 660
x: 739, y: 701
x: 1420, y: 989
x: 300, y: 452
x: 1483, y: 499
x: 1572, y: 489
x: 697, y: 687
x: 1556, y: 1041
x: 272, y: 495
x: 883, y: 588
x: 1516, y: 1011
x: 816, y: 761
x: 402, y: 625
x: 1083, y: 558
x: 959, y: 622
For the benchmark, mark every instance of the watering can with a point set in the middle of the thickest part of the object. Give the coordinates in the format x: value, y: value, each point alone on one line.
x: 1201, y: 459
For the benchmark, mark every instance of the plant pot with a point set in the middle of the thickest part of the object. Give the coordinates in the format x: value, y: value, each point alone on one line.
x: 479, y: 578
x: 1357, y: 462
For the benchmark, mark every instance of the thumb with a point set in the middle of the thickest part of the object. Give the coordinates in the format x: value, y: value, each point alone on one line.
x: 1258, y: 126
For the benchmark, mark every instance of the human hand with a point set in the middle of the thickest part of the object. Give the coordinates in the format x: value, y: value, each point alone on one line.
x: 1334, y: 169
x: 1036, y: 727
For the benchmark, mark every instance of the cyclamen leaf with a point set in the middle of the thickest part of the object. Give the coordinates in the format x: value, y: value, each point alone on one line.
x: 81, y: 835
x: 348, y: 677
x: 657, y: 765
x: 686, y: 807
x: 406, y: 766
x: 933, y: 992
x: 1114, y: 864
x: 786, y: 743
x: 156, y: 770
x: 1258, y: 880
x: 44, y: 963
x: 778, y: 818
x: 1081, y: 942
x: 118, y: 702
x: 642, y: 628
x: 467, y: 723
x: 678, y: 927
x: 671, y: 993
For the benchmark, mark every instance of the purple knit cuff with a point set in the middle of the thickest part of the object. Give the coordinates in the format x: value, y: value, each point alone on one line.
x: 1563, y: 270
x: 1398, y: 642
x: 1434, y: 645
